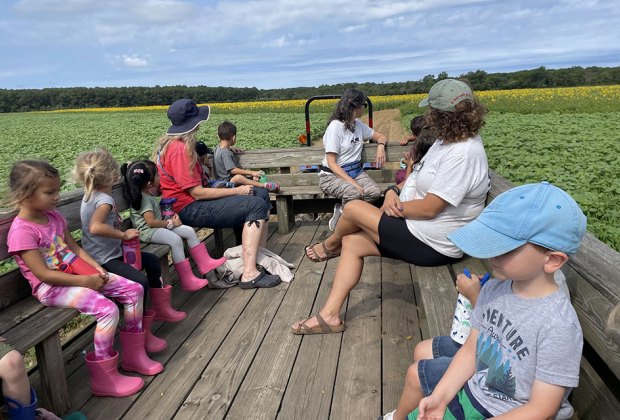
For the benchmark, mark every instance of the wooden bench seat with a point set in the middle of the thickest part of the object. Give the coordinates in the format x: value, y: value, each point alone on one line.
x: 299, y: 191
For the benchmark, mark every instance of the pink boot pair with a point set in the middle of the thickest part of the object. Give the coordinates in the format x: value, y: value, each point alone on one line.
x: 205, y: 263
x: 106, y: 381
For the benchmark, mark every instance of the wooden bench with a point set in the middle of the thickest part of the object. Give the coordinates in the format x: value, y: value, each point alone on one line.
x: 300, y: 192
x: 26, y: 323
x: 591, y: 275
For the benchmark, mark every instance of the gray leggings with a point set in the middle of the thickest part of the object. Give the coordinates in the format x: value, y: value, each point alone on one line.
x: 174, y: 238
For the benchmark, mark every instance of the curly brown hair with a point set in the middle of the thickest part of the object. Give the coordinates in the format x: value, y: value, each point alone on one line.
x: 465, y: 122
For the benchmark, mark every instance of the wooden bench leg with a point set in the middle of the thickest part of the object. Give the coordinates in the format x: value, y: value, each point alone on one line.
x: 218, y: 238
x: 286, y: 213
x: 52, y: 370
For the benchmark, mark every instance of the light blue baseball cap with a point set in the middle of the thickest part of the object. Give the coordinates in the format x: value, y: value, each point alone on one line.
x: 542, y: 214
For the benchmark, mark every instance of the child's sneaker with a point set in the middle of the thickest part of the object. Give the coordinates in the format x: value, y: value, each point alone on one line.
x: 272, y: 186
x: 334, y: 220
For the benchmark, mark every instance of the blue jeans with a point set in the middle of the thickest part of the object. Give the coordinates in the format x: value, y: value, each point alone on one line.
x: 431, y: 371
x: 227, y: 212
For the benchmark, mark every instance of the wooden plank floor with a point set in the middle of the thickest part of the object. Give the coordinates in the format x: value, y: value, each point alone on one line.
x: 233, y: 357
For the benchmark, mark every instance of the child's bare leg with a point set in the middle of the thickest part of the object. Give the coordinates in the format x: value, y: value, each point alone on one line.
x: 14, y: 377
x: 423, y: 350
x: 412, y: 394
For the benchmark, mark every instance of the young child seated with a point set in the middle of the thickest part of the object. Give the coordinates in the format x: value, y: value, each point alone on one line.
x: 521, y: 322
x: 225, y: 166
x: 424, y: 140
x: 416, y: 125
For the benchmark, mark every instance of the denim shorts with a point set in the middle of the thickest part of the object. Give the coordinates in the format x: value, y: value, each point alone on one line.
x: 228, y: 211
x: 430, y: 371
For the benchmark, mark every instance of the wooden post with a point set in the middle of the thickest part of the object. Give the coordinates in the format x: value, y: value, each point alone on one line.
x: 52, y: 370
x: 286, y: 213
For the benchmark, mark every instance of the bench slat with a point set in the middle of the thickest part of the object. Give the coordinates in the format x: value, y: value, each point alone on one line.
x: 438, y: 297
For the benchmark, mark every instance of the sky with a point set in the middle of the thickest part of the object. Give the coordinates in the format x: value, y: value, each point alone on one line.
x: 290, y: 43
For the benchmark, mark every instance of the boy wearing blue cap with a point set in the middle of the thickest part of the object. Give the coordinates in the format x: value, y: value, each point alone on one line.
x: 522, y: 357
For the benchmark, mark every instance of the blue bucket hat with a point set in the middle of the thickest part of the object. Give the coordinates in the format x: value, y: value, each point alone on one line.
x: 185, y: 116
x: 542, y: 214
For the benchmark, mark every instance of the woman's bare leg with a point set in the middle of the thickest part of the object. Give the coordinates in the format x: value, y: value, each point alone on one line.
x: 250, y: 240
x: 356, y: 216
x: 263, y: 232
x: 355, y: 247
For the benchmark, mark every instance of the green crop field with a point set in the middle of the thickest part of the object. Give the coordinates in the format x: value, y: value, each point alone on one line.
x: 570, y: 138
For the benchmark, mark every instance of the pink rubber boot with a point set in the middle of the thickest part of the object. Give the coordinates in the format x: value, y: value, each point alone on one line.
x: 203, y: 260
x: 105, y: 381
x: 153, y: 344
x: 134, y: 357
x: 189, y: 282
x: 160, y: 302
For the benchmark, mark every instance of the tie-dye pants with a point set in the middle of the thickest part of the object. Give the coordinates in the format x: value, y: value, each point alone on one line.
x: 97, y: 304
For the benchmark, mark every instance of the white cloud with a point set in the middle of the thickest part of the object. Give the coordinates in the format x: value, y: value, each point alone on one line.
x: 134, y: 61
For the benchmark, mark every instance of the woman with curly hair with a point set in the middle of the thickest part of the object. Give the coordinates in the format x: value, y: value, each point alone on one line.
x: 447, y: 190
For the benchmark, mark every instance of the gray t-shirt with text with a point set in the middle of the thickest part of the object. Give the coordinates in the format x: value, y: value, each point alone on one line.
x: 521, y: 340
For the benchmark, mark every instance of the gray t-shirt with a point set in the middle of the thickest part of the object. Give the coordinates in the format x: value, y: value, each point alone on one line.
x: 521, y: 340
x: 149, y: 203
x: 102, y: 249
x: 223, y: 163
x: 346, y: 144
x: 457, y: 173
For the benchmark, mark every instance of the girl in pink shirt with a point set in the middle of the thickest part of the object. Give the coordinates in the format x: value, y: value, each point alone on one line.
x: 63, y: 275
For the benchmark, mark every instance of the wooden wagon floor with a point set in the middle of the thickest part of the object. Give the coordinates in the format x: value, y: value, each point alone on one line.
x: 234, y: 356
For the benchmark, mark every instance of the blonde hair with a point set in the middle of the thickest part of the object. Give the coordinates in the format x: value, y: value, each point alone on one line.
x: 190, y: 147
x: 26, y: 176
x: 95, y: 169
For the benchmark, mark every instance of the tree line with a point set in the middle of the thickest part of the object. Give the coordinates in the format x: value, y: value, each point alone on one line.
x: 23, y: 100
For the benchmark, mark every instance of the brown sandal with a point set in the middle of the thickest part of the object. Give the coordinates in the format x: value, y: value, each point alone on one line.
x: 322, y: 328
x: 328, y: 254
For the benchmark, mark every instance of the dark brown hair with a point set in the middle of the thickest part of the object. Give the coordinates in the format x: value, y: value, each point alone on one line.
x: 226, y: 130
x: 466, y: 121
x: 350, y: 100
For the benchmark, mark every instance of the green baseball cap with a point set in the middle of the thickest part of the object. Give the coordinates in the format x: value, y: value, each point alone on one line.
x: 445, y: 94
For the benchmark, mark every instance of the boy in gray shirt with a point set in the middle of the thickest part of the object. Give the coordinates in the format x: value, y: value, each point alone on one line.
x: 523, y: 353
x: 225, y: 166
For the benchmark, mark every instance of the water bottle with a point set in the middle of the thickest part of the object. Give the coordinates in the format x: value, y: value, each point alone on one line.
x: 262, y: 177
x: 166, y: 207
x: 461, y: 322
x: 132, y: 254
x: 72, y: 264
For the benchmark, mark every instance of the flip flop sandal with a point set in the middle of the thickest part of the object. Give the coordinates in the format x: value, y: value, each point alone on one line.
x: 328, y: 254
x: 322, y: 328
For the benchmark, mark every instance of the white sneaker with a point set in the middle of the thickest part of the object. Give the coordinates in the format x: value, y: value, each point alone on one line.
x: 335, y: 217
x: 387, y: 416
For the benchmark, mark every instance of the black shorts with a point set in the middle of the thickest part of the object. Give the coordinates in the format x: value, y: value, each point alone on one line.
x: 396, y: 241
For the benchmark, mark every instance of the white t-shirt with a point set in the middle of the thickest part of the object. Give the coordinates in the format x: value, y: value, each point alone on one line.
x: 346, y: 144
x: 459, y: 174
